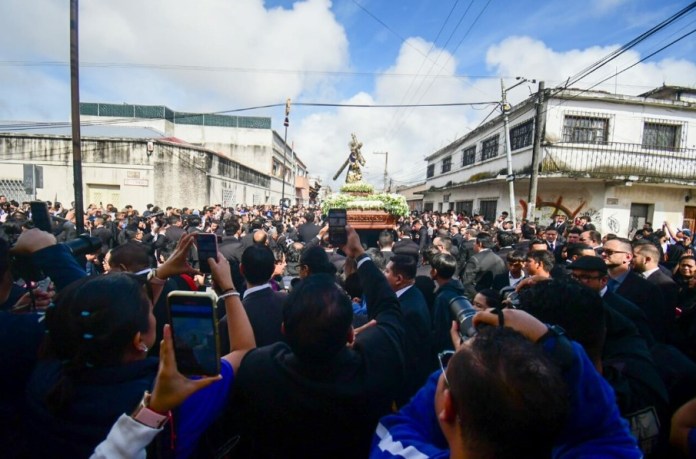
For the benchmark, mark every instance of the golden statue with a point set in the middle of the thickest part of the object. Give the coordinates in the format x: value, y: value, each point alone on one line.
x: 354, y: 162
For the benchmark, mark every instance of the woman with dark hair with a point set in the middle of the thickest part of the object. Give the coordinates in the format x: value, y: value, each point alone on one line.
x: 486, y: 299
x: 314, y: 260
x: 96, y: 366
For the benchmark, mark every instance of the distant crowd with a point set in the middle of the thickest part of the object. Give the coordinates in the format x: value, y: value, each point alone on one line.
x: 446, y: 335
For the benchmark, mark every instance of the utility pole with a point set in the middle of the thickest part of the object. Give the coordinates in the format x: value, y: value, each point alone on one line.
x: 386, y: 160
x: 75, y: 111
x: 508, y: 153
x: 536, y: 151
x: 286, y: 123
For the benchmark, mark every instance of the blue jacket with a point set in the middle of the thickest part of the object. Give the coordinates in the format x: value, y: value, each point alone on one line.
x: 594, y: 429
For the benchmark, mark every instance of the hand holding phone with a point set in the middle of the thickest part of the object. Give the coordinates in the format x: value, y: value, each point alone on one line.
x: 337, y: 227
x: 194, y: 329
x: 206, y: 244
x: 40, y: 216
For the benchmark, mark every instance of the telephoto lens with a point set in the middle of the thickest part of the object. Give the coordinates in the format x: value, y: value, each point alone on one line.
x: 464, y: 313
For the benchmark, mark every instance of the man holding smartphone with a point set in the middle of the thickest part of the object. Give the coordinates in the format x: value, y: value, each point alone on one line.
x: 321, y: 392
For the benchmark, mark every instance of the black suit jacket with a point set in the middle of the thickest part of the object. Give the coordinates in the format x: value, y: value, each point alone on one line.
x: 480, y: 271
x: 632, y: 312
x: 670, y: 293
x: 106, y: 237
x: 231, y: 247
x: 647, y: 297
x: 416, y: 342
x: 306, y: 231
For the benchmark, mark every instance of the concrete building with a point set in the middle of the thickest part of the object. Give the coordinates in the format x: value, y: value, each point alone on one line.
x: 413, y: 195
x: 122, y: 165
x: 247, y: 140
x: 622, y: 160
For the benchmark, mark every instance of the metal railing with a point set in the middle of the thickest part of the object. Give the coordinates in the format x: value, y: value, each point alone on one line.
x: 619, y: 161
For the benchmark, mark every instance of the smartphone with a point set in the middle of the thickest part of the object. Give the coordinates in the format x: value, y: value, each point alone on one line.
x: 206, y: 243
x: 40, y: 216
x: 193, y: 323
x: 337, y: 227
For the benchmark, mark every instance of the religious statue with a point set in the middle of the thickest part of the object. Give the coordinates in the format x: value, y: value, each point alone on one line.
x: 354, y: 162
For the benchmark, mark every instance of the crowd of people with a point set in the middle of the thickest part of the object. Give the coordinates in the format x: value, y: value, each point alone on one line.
x: 451, y: 336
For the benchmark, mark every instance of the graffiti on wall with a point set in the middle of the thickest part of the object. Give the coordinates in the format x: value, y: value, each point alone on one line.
x: 613, y: 224
x: 549, y: 209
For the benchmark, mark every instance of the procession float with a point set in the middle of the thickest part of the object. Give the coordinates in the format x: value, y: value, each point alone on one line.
x: 365, y: 209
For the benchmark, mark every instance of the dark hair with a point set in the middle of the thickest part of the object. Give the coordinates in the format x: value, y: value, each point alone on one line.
x: 544, y: 257
x: 232, y: 226
x: 573, y: 306
x: 386, y: 238
x: 404, y: 265
x: 516, y: 255
x: 317, y: 316
x: 405, y: 229
x: 309, y: 216
x: 505, y: 238
x: 317, y: 261
x: 258, y: 264
x: 575, y: 230
x: 484, y: 240
x: 445, y: 265
x: 511, y: 400
x: 133, y: 255
x: 446, y: 242
x: 576, y: 249
x: 492, y: 297
x: 528, y: 231
x: 93, y: 322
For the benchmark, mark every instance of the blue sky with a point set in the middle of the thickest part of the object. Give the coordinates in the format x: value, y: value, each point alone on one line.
x: 251, y: 53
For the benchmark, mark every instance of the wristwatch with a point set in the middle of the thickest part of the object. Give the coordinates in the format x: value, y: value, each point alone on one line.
x: 144, y: 415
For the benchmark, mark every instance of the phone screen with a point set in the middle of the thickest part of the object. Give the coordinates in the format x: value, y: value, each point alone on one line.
x: 206, y: 244
x: 194, y: 330
x: 337, y: 227
x: 40, y: 215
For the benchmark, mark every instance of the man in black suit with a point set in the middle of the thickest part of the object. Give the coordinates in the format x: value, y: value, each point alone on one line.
x: 553, y: 244
x: 514, y: 274
x: 646, y: 258
x: 231, y: 246
x: 308, y: 230
x: 559, y: 224
x: 263, y: 306
x: 592, y: 271
x: 405, y: 245
x: 617, y: 255
x: 401, y: 274
x: 420, y: 235
x: 482, y: 267
x: 104, y: 234
x: 386, y: 244
x: 505, y: 241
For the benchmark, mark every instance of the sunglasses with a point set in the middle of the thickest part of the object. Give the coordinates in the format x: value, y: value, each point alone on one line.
x: 444, y: 358
x: 609, y: 252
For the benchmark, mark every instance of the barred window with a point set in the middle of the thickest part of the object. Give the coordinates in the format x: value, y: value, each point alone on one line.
x: 431, y: 170
x: 469, y: 156
x: 585, y: 129
x: 522, y: 135
x: 661, y: 136
x: 489, y: 148
x: 446, y: 164
x: 465, y: 207
x: 488, y: 208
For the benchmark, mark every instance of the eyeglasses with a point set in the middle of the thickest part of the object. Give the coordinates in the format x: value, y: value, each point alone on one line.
x: 609, y: 252
x: 444, y: 358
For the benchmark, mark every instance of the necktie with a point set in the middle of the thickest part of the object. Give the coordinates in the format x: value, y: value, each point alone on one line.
x: 612, y: 285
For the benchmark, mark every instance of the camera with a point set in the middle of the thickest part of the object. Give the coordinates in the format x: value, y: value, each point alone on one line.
x: 510, y: 297
x: 464, y: 313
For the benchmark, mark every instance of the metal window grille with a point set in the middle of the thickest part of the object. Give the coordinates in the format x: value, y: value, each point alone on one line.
x: 446, y: 164
x: 465, y: 207
x: 489, y: 148
x: 585, y: 129
x: 14, y: 189
x: 522, y: 135
x: 469, y: 156
x: 431, y: 171
x: 661, y: 136
x: 488, y: 208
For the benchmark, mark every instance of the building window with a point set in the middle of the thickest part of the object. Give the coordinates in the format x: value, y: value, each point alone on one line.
x: 464, y: 207
x: 428, y: 206
x: 488, y: 208
x: 431, y: 170
x: 661, y: 136
x: 522, y: 135
x: 469, y: 156
x: 489, y: 148
x: 446, y: 164
x: 585, y: 129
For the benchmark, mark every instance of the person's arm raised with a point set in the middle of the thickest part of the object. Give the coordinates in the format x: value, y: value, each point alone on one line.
x: 176, y: 264
x: 238, y: 326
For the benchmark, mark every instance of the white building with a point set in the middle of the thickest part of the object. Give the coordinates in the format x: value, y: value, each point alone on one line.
x: 247, y: 140
x: 622, y: 160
